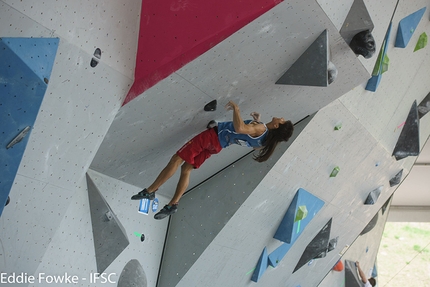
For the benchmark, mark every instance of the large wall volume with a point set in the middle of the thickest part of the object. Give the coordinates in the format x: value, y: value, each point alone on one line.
x: 47, y: 226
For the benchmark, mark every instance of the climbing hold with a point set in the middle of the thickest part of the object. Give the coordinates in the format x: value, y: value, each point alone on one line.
x: 302, y: 212
x: 357, y: 20
x: 339, y: 266
x: 408, y: 143
x: 19, y: 137
x: 370, y: 225
x: 373, y: 82
x: 373, y: 196
x: 98, y: 53
x: 7, y: 201
x: 335, y: 171
x: 97, y: 56
x: 363, y: 44
x: 142, y: 237
x: 261, y: 266
x: 211, y: 106
x: 396, y: 179
x: 422, y: 42
x: 407, y: 27
x: 317, y: 248
x: 289, y: 228
x: 311, y: 67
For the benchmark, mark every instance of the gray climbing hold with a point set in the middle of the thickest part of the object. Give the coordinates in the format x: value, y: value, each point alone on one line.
x: 373, y: 196
x: 311, y: 67
x: 408, y: 143
x: 396, y: 179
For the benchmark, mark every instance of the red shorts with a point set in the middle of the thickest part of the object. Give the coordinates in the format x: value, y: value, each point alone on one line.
x: 200, y: 148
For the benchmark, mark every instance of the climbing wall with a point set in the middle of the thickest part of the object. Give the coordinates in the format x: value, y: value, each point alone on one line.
x: 131, y: 153
x: 47, y: 226
x: 78, y: 106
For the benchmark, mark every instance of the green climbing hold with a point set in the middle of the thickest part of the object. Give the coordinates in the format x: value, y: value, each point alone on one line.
x: 422, y: 42
x: 302, y: 212
x: 335, y: 171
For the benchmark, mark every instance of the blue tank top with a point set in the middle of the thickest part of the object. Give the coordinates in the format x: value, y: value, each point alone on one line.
x: 228, y: 136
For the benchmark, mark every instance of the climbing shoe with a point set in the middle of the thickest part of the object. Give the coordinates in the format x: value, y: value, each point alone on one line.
x: 166, y: 211
x: 144, y: 194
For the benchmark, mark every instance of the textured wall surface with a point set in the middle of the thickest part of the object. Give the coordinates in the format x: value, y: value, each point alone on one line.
x: 46, y: 228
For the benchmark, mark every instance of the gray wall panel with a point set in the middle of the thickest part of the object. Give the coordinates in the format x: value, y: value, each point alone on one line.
x: 207, y: 208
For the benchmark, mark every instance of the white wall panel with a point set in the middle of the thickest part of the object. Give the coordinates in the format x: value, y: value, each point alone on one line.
x: 411, y: 83
x: 112, y: 26
x: 79, y: 105
x: 29, y: 223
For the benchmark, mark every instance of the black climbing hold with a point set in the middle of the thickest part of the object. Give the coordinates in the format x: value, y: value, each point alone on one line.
x: 7, y: 201
x: 95, y: 60
x: 363, y: 44
x: 408, y: 143
x: 46, y: 80
x: 98, y: 53
x: 373, y: 196
x: 142, y: 237
x: 317, y: 248
x: 93, y: 63
x: 396, y: 179
x: 370, y: 225
x: 211, y: 106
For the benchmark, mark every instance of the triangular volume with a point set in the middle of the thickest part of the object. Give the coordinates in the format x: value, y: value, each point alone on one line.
x: 290, y: 229
x: 373, y: 196
x: 373, y: 82
x: 311, y: 68
x: 316, y: 247
x: 37, y: 53
x: 408, y: 143
x: 407, y: 27
x: 424, y: 106
x: 351, y: 275
x: 278, y: 254
x: 396, y: 179
x: 357, y: 20
x: 261, y: 266
x: 132, y: 275
x: 110, y: 237
x: 371, y: 224
x: 21, y: 93
x: 385, y: 206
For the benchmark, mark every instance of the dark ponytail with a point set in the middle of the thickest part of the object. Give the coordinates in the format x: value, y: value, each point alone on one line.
x: 274, y: 136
